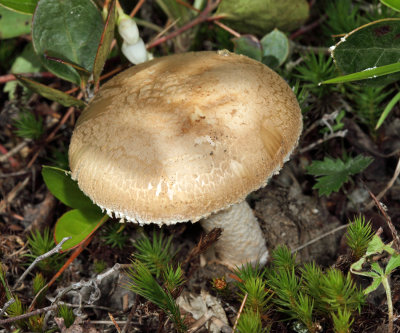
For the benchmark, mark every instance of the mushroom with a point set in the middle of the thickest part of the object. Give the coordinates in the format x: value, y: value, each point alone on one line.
x: 188, y: 137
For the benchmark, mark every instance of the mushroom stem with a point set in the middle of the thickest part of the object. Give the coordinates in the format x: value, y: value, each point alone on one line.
x: 242, y: 240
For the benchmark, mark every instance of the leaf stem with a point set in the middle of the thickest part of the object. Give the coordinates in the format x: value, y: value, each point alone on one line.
x: 386, y: 285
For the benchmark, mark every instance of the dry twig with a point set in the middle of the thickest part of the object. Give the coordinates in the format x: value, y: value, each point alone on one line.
x: 56, y: 249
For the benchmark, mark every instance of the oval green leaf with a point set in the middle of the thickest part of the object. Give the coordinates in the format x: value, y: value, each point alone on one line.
x: 22, y: 6
x: 248, y: 45
x: 373, y: 45
x: 50, y: 93
x: 74, y: 38
x: 394, y: 4
x: 65, y: 189
x: 275, y: 47
x: 261, y: 16
x: 79, y: 225
x: 13, y: 24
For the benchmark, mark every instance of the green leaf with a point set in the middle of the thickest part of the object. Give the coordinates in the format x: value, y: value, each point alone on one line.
x: 50, y: 93
x: 394, y: 4
x: 372, y: 45
x: 23, y: 6
x: 105, y: 43
x: 248, y: 45
x: 332, y: 174
x: 387, y: 110
x: 69, y: 30
x: 376, y: 246
x: 369, y: 73
x: 373, y: 286
x: 26, y: 62
x: 13, y: 24
x: 275, y: 48
x: 65, y: 189
x: 261, y: 16
x: 393, y: 263
x: 78, y: 224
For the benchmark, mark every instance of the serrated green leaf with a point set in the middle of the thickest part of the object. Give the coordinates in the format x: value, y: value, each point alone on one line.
x: 74, y: 38
x: 13, y: 24
x: 248, y: 45
x: 394, y: 4
x: 376, y: 246
x: 373, y: 286
x: 22, y: 6
x: 65, y: 189
x: 332, y: 174
x: 105, y: 43
x: 375, y: 44
x: 394, y: 262
x: 50, y: 93
x: 78, y: 224
x: 275, y: 47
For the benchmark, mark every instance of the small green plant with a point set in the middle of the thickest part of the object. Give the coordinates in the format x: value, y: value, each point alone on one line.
x: 40, y: 244
x: 99, y: 266
x: 142, y: 282
x: 17, y: 309
x: 156, y: 254
x: 342, y: 321
x: 250, y: 322
x: 343, y: 16
x: 359, y: 235
x: 313, y: 70
x: 283, y: 258
x: 114, y: 235
x: 333, y: 173
x: 367, y: 103
x: 307, y: 292
x: 67, y: 314
x: 38, y: 283
x: 28, y: 127
x: 376, y: 269
x: 173, y: 278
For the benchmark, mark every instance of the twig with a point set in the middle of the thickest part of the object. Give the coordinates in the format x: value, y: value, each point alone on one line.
x: 14, y: 151
x: 319, y: 238
x: 187, y: 5
x: 14, y: 174
x: 396, y: 239
x: 202, y: 17
x: 114, y: 322
x: 6, y: 306
x: 11, y: 77
x: 28, y: 314
x: 226, y: 28
x: 387, y: 187
x: 307, y: 28
x: 339, y: 134
x: 56, y: 249
x: 13, y: 193
x: 308, y: 48
x: 137, y: 7
x: 131, y: 314
x: 240, y: 312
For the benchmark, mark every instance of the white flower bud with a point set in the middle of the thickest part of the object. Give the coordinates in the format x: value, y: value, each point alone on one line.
x: 135, y: 53
x: 128, y: 30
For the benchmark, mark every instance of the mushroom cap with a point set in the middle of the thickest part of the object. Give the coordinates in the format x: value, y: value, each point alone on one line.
x: 183, y: 136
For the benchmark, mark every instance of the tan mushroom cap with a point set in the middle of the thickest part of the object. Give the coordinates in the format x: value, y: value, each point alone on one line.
x: 183, y: 136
